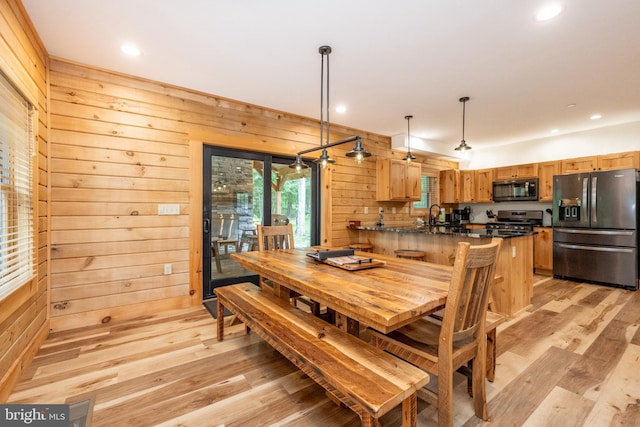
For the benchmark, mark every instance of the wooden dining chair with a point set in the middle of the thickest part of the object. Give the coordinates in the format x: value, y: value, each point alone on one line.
x: 442, y: 347
x: 272, y: 237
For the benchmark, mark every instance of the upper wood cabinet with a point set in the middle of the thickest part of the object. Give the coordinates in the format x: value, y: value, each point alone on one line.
x: 397, y: 180
x: 603, y: 162
x: 626, y: 160
x: 450, y: 186
x: 546, y: 171
x: 528, y: 170
x: 457, y: 186
x: 579, y: 164
x: 483, y: 185
x: 467, y: 186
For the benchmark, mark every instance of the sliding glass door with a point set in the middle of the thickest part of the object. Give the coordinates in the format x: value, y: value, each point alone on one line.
x: 237, y: 197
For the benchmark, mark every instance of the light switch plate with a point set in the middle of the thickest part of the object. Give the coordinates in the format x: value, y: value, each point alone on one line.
x: 168, y: 209
x: 168, y: 269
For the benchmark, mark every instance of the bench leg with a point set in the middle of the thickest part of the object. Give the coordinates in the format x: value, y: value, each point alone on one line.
x: 220, y: 320
x: 410, y: 411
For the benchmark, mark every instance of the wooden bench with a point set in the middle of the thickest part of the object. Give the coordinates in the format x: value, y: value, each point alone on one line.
x: 364, y: 378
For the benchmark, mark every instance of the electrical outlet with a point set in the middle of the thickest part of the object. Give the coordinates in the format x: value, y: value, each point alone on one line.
x: 513, y: 251
x: 168, y: 269
x: 168, y: 209
x: 366, y: 210
x: 393, y: 210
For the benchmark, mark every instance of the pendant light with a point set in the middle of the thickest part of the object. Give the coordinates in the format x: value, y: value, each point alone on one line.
x: 463, y: 144
x: 409, y: 157
x: 358, y: 152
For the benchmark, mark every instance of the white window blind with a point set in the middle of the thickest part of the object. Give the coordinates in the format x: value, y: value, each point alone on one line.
x: 17, y: 259
x: 428, y: 192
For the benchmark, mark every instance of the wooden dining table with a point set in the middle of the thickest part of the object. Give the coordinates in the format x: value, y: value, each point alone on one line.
x: 385, y: 298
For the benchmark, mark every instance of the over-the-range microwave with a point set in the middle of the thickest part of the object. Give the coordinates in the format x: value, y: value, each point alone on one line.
x: 513, y: 190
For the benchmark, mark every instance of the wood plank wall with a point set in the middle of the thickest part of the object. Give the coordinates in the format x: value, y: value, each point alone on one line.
x: 120, y: 145
x: 23, y: 314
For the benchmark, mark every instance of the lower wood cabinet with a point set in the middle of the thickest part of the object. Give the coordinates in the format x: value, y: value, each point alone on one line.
x: 543, y: 250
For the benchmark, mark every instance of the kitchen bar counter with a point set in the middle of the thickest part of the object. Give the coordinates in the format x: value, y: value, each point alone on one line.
x: 442, y: 230
x: 515, y: 263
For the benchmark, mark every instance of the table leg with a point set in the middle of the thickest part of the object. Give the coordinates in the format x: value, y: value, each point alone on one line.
x: 347, y: 324
x: 220, y: 320
x: 215, y: 249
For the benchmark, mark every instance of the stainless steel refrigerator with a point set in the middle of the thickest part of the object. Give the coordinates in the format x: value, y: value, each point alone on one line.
x: 595, y: 220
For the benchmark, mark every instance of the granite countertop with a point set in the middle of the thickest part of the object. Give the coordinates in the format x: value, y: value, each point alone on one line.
x: 441, y: 230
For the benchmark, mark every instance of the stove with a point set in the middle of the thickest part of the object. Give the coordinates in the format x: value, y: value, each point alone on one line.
x: 515, y: 222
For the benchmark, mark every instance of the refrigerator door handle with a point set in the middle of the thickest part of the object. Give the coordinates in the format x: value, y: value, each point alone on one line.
x: 595, y: 248
x: 584, y: 209
x: 596, y: 232
x: 594, y: 200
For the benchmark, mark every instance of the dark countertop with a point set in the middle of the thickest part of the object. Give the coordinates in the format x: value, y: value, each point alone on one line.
x: 440, y: 230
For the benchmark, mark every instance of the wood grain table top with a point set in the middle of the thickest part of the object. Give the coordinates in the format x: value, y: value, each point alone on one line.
x: 385, y: 298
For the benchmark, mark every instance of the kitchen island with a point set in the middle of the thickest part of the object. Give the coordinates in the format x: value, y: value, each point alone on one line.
x: 511, y: 295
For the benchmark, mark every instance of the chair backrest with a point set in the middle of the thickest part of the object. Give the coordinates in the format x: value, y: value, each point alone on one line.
x: 222, y: 226
x: 272, y: 237
x: 466, y: 307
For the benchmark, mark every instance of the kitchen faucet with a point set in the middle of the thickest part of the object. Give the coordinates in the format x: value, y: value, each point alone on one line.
x: 432, y: 218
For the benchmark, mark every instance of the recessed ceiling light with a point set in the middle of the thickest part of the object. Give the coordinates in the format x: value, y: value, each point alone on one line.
x: 341, y: 109
x: 596, y: 116
x: 549, y: 12
x: 571, y: 105
x: 130, y: 49
x: 555, y: 130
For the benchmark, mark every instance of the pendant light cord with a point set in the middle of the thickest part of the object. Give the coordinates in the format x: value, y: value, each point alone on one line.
x: 324, y: 51
x: 464, y: 109
x: 321, y: 98
x: 328, y: 121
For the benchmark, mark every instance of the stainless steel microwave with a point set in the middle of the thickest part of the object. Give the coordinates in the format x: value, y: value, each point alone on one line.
x: 515, y: 190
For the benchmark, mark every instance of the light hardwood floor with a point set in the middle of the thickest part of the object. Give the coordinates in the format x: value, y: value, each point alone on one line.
x: 572, y: 359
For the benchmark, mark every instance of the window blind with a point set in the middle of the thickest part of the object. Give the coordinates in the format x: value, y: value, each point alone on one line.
x: 17, y: 258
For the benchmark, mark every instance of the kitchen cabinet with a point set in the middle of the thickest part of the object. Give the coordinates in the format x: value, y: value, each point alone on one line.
x: 626, y: 160
x: 543, y: 250
x: 528, y: 170
x: 579, y: 164
x: 397, y: 180
x: 483, y: 185
x: 467, y: 186
x: 546, y: 171
x: 450, y: 186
